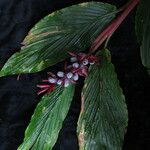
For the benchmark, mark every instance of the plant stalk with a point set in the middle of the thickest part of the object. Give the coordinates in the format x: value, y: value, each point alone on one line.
x: 111, y: 28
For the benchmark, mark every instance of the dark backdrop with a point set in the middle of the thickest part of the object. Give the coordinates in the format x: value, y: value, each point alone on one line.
x: 18, y: 98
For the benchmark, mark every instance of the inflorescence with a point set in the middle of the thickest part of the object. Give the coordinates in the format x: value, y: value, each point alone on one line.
x: 79, y: 64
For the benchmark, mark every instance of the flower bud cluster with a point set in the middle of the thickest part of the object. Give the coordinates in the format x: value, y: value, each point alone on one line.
x: 78, y: 67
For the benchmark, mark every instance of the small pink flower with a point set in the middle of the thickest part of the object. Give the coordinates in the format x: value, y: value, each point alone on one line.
x: 93, y: 59
x: 82, y: 71
x: 82, y: 57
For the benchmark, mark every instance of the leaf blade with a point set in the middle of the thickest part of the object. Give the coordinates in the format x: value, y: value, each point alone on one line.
x: 143, y: 31
x: 72, y: 28
x: 47, y: 119
x: 103, y: 117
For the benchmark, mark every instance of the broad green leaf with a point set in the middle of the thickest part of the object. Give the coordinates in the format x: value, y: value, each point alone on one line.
x: 143, y: 31
x: 70, y: 29
x: 47, y: 120
x: 103, y: 118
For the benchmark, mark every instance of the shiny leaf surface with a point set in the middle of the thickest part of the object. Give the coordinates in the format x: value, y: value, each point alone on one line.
x: 70, y: 29
x: 103, y: 117
x: 47, y: 120
x: 143, y: 31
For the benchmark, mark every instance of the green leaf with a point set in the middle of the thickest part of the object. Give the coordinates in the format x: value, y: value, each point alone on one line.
x: 143, y: 31
x: 70, y: 29
x: 47, y: 120
x: 103, y: 118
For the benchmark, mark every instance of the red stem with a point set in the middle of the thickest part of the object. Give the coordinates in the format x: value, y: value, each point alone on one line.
x: 108, y: 31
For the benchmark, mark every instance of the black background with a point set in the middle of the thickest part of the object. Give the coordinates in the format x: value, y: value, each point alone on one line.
x: 18, y: 98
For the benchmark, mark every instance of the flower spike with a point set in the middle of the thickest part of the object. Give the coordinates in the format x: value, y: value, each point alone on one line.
x: 78, y: 66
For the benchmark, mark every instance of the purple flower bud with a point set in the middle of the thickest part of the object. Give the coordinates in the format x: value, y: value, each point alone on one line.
x: 75, y: 77
x: 85, y: 62
x: 75, y: 65
x: 52, y: 80
x: 69, y: 75
x: 59, y: 82
x: 66, y: 83
x: 73, y: 59
x: 60, y: 74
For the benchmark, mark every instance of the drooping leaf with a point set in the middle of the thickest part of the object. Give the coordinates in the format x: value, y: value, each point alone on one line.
x: 143, y: 31
x: 103, y: 117
x: 70, y: 29
x: 47, y: 120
